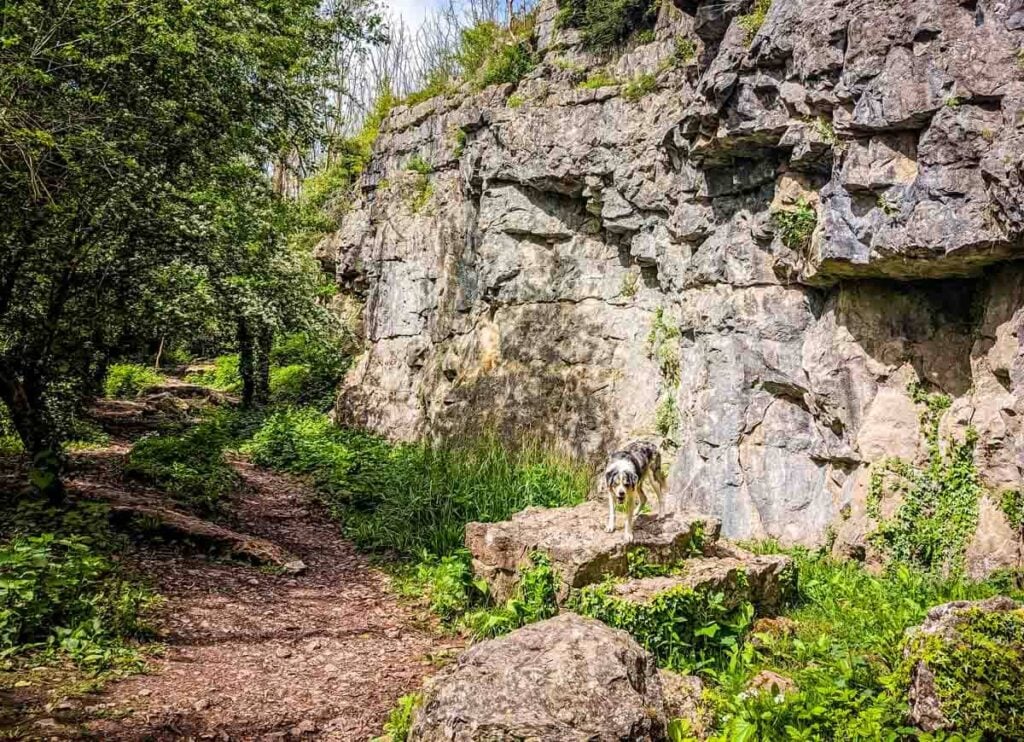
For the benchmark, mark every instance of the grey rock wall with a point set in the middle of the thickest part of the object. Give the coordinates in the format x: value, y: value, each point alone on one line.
x: 522, y: 293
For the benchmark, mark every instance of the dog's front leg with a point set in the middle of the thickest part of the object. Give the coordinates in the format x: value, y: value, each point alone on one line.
x: 610, y: 526
x: 629, y: 517
x: 641, y: 501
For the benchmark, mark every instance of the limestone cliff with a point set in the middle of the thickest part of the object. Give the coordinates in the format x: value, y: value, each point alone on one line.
x: 518, y: 283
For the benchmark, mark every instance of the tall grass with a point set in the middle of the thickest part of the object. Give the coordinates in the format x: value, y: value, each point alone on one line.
x: 415, y: 497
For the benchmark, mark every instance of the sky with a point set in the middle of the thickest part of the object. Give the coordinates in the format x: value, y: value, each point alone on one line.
x: 413, y: 11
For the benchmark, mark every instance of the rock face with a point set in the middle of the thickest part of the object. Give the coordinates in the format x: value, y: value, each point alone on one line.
x: 522, y: 294
x: 568, y: 678
x: 965, y: 668
x: 575, y: 542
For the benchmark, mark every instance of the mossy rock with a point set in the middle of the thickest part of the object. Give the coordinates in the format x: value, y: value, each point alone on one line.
x: 964, y: 667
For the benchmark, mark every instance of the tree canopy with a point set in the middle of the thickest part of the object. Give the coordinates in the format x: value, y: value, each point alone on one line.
x: 135, y: 139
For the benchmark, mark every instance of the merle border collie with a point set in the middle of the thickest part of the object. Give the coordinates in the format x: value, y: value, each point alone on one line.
x: 627, y: 472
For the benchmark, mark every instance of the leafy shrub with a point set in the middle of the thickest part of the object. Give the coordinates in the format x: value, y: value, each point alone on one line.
x: 796, y: 225
x: 60, y: 594
x: 663, y: 346
x: 686, y: 629
x: 1012, y: 504
x: 191, y: 467
x: 486, y: 55
x: 410, y: 498
x: 938, y: 511
x: 752, y: 21
x: 606, y: 23
x: 515, y: 101
x: 666, y: 415
x: 639, y: 86
x: 685, y: 51
x: 306, y: 369
x: 533, y: 601
x: 10, y: 442
x: 126, y: 380
x: 224, y: 376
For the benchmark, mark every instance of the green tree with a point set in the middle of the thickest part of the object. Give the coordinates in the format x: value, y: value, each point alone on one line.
x: 116, y: 116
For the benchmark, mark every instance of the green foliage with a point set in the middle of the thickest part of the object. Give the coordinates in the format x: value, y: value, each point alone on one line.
x: 888, y: 207
x: 938, y: 512
x: 685, y: 51
x: 399, y: 723
x: 666, y: 416
x: 639, y: 86
x: 329, y: 189
x: 630, y: 284
x: 796, y: 225
x: 420, y: 193
x: 845, y: 654
x: 190, y: 467
x: 461, y: 138
x: 639, y: 565
x: 133, y: 143
x: 446, y: 582
x: 534, y: 601
x: 126, y: 380
x: 307, y: 368
x: 977, y: 674
x: 645, y: 36
x: 487, y: 56
x: 409, y: 498
x: 752, y: 21
x: 607, y: 23
x: 60, y: 594
x: 687, y: 630
x: 1011, y: 502
x: 515, y: 101
x: 826, y: 130
x: 224, y: 375
x: 417, y: 164
x: 663, y: 345
x: 598, y: 79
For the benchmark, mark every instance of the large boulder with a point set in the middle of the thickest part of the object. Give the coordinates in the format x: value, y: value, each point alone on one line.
x: 965, y: 665
x: 575, y: 542
x: 562, y: 680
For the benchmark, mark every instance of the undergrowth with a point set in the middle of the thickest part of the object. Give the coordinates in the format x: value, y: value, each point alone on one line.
x: 752, y: 21
x: 223, y: 376
x: 190, y: 466
x: 687, y: 630
x: 63, y: 593
x: 844, y: 653
x: 409, y: 498
x: 126, y: 380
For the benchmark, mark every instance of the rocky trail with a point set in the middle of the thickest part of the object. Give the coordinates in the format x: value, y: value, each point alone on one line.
x: 254, y: 655
x: 249, y: 652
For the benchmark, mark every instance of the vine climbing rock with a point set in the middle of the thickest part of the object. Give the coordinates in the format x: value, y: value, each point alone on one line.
x: 567, y: 679
x: 964, y: 663
x: 575, y: 542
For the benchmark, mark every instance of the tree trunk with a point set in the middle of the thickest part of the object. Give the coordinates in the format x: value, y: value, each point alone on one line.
x: 246, y: 363
x: 24, y: 402
x: 264, y: 341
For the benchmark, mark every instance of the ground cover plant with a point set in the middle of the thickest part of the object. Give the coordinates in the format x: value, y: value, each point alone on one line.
x: 63, y: 592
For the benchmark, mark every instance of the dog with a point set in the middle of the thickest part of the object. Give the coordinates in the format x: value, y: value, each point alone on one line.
x: 627, y: 472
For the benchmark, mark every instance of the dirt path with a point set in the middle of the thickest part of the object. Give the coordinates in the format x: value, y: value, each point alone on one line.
x: 252, y: 655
